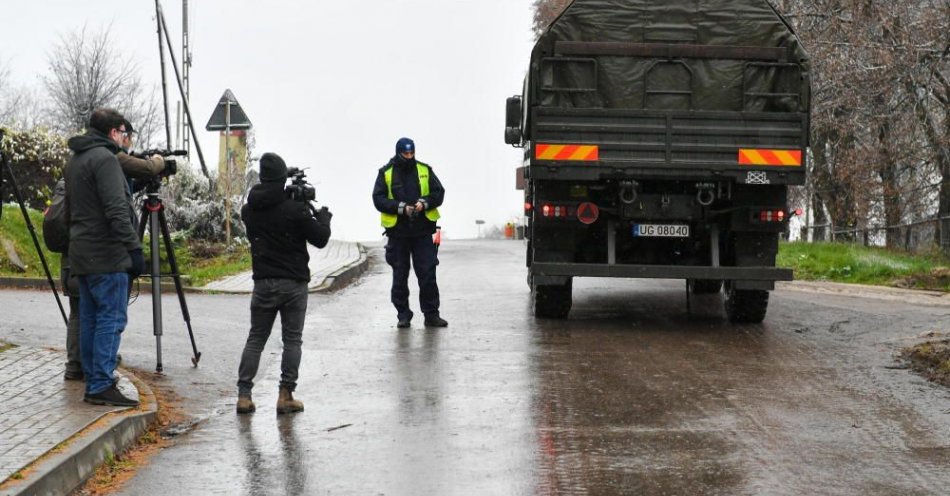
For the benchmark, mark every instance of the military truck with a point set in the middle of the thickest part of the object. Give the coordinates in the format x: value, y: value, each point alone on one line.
x: 660, y: 138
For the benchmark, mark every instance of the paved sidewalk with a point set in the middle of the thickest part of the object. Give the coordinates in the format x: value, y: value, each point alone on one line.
x: 38, y: 412
x: 337, y: 263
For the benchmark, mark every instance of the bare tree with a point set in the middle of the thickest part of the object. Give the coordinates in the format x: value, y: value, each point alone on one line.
x: 10, y: 97
x: 87, y: 72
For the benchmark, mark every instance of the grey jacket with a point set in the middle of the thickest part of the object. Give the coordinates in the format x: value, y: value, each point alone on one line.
x: 101, y: 230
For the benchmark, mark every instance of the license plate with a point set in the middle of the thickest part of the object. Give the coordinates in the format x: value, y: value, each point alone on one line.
x: 661, y: 230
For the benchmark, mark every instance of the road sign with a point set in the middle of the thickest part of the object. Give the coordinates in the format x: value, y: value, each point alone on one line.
x: 587, y: 213
x: 228, y: 109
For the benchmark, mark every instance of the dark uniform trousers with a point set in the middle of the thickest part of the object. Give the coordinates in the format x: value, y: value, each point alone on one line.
x: 424, y: 255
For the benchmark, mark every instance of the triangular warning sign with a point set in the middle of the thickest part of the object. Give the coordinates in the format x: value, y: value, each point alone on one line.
x: 588, y: 213
x: 228, y: 107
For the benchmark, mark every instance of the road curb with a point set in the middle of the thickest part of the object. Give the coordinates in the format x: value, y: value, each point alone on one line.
x: 62, y: 472
x: 43, y: 284
x: 335, y: 281
x: 344, y: 275
x: 920, y: 296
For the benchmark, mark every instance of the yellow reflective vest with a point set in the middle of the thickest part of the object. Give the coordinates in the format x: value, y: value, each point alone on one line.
x: 389, y: 220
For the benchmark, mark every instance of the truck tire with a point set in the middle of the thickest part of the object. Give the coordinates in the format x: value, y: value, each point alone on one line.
x: 551, y: 302
x: 705, y: 286
x: 746, y: 306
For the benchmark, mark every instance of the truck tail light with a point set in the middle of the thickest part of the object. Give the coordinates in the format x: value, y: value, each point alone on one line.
x: 528, y: 207
x: 557, y: 211
x: 772, y: 215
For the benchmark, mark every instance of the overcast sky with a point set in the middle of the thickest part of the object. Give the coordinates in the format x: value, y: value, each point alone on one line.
x: 331, y: 86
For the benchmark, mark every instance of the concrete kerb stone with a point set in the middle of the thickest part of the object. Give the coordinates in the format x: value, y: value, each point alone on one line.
x: 43, y: 284
x: 917, y: 296
x: 344, y: 275
x: 338, y: 279
x: 63, y: 470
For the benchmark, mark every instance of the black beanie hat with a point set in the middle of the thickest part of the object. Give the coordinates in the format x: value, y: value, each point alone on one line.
x: 273, y: 168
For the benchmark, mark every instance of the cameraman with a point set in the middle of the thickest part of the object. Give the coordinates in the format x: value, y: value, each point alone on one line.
x: 279, y: 229
x: 134, y: 167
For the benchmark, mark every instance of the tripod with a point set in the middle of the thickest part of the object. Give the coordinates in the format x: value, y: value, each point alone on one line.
x: 153, y: 214
x: 29, y: 224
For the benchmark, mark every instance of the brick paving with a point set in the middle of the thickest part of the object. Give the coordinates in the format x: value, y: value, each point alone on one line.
x: 38, y: 409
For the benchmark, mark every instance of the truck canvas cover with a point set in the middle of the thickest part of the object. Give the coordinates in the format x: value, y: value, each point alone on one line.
x: 706, y: 55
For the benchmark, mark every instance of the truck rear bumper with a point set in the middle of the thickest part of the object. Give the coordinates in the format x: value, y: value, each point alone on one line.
x: 661, y: 271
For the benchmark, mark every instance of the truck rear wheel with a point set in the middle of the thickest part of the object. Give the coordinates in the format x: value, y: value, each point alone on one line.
x: 746, y: 306
x: 705, y: 286
x: 551, y: 301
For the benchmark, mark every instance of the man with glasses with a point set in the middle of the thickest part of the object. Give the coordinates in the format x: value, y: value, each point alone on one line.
x: 132, y: 168
x: 408, y: 194
x: 104, y: 250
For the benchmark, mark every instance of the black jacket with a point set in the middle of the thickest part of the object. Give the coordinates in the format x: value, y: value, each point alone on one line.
x: 406, y: 190
x: 279, y: 229
x: 101, y: 219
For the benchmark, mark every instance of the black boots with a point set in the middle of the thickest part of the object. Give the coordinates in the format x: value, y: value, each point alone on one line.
x: 435, y: 321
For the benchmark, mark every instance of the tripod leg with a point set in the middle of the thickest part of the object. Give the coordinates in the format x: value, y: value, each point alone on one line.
x: 153, y: 213
x: 36, y: 241
x: 143, y: 220
x: 173, y: 263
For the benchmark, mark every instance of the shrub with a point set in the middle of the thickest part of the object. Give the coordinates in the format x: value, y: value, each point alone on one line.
x: 194, y: 207
x: 37, y: 157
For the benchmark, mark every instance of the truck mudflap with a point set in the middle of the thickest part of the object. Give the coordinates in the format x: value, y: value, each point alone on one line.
x: 769, y: 274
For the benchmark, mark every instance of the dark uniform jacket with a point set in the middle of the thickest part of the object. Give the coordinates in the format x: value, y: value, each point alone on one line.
x: 279, y: 229
x: 101, y: 218
x: 406, y: 190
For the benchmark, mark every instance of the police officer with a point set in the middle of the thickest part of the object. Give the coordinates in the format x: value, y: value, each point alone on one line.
x: 408, y: 195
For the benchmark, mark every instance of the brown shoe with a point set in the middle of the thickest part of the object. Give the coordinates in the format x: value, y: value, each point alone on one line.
x: 245, y: 405
x: 286, y: 402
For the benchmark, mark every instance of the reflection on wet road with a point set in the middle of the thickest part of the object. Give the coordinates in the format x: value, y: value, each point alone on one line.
x: 631, y: 395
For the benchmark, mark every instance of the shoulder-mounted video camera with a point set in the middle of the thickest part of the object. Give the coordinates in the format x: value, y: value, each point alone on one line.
x: 299, y: 189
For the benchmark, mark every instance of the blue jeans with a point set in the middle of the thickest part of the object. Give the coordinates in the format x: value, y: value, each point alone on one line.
x: 103, y: 313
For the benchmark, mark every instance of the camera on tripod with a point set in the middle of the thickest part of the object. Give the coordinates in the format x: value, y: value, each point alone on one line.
x: 299, y: 189
x: 171, y: 165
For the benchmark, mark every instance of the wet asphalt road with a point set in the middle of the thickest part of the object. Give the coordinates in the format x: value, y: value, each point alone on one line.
x: 629, y: 396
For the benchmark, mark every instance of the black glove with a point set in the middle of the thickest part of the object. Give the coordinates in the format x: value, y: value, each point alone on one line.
x: 138, y: 262
x: 323, y: 216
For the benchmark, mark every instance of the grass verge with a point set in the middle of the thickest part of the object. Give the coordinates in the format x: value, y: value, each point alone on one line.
x: 199, y: 262
x: 863, y: 265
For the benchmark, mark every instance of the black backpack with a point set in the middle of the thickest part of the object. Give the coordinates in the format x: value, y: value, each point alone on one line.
x: 56, y: 220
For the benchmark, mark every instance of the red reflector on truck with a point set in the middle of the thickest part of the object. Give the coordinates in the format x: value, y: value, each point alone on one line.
x: 588, y: 213
x: 582, y: 153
